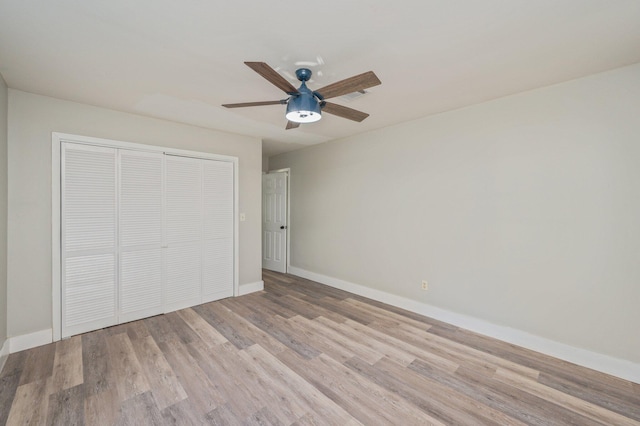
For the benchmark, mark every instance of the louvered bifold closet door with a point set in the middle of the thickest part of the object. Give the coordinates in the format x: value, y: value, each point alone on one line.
x: 183, y: 232
x: 89, y: 243
x: 217, y: 261
x: 141, y: 195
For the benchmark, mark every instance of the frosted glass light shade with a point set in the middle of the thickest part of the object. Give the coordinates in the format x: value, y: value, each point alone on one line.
x: 303, y: 109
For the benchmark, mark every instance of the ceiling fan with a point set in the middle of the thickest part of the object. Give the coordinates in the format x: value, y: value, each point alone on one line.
x: 305, y: 105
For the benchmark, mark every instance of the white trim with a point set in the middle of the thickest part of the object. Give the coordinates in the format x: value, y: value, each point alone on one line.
x: 31, y: 340
x: 56, y: 245
x: 56, y: 143
x: 236, y: 227
x: 251, y: 288
x: 5, y: 348
x: 4, y: 353
x: 111, y: 143
x: 604, y: 363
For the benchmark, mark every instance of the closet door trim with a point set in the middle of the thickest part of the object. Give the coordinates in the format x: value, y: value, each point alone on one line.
x: 56, y: 230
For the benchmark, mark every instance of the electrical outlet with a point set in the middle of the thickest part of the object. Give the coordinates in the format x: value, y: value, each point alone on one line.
x: 425, y: 285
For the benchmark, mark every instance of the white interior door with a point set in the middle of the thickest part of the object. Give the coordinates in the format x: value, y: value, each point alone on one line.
x: 184, y: 223
x: 140, y: 214
x: 199, y: 226
x: 88, y: 238
x: 217, y: 259
x: 274, y: 221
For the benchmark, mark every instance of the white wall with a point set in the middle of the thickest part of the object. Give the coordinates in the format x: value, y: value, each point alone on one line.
x: 32, y: 119
x: 523, y: 211
x: 3, y: 214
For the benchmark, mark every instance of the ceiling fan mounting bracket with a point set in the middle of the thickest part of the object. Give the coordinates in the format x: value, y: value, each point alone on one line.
x: 303, y: 74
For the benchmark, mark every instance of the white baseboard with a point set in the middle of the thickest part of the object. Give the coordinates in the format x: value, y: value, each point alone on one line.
x: 250, y: 288
x: 4, y: 353
x: 31, y: 340
x: 604, y: 363
x: 43, y: 337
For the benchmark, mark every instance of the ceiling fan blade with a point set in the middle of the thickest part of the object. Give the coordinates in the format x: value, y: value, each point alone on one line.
x: 250, y: 104
x: 344, y: 112
x: 292, y: 125
x: 272, y: 76
x: 350, y: 85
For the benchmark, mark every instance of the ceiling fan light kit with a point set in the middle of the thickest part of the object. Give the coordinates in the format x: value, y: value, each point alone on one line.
x: 305, y: 105
x: 303, y: 109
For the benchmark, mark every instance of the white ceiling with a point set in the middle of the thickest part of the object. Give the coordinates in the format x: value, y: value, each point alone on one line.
x: 180, y: 60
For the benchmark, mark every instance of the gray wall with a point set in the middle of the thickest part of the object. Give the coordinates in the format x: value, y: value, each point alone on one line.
x: 3, y: 210
x: 32, y: 119
x: 522, y: 211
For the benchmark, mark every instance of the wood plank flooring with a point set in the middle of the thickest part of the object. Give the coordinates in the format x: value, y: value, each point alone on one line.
x: 300, y: 353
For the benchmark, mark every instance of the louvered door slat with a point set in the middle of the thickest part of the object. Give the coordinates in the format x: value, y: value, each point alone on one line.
x: 184, y: 199
x: 140, y: 284
x: 90, y: 292
x: 183, y: 276
x: 217, y: 270
x: 140, y: 199
x: 89, y: 193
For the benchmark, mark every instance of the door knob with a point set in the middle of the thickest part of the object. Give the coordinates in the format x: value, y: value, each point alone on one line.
x: 283, y: 227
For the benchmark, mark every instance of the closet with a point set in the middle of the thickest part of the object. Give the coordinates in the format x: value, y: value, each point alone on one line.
x: 142, y: 233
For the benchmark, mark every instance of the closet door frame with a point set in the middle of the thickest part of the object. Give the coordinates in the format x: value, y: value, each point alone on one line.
x: 56, y: 204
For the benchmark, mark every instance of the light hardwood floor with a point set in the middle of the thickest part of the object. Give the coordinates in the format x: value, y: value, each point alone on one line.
x: 302, y: 353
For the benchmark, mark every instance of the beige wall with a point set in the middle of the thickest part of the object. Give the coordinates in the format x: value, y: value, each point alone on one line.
x: 522, y: 211
x: 32, y: 119
x: 3, y: 210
